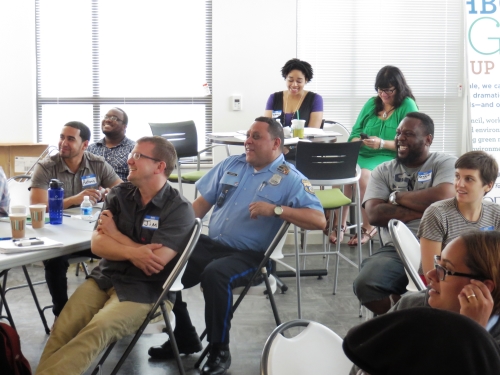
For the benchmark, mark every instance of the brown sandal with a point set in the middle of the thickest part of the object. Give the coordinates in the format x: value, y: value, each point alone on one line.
x: 366, y: 236
x: 334, y: 231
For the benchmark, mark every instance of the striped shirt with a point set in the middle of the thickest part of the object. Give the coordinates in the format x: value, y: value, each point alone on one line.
x: 443, y: 222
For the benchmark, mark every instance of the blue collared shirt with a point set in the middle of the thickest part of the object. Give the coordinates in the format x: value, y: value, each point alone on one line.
x: 236, y: 184
x: 116, y: 156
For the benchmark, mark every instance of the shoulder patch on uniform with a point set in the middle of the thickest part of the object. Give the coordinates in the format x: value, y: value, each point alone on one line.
x: 308, y: 187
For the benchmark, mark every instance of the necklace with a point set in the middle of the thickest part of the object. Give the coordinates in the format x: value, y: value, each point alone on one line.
x: 387, y: 112
x: 298, y: 105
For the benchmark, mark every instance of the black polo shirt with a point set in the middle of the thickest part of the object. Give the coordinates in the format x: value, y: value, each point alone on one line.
x: 167, y: 219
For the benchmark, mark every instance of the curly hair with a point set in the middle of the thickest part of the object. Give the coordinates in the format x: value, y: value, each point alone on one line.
x: 296, y: 64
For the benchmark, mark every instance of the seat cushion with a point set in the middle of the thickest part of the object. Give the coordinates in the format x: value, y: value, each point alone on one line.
x: 332, y: 198
x: 192, y: 177
x: 173, y: 177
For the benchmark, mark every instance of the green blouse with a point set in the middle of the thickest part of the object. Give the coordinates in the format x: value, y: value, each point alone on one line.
x: 368, y: 122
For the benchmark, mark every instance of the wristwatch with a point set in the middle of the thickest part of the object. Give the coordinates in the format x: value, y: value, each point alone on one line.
x: 392, y: 198
x: 278, y: 210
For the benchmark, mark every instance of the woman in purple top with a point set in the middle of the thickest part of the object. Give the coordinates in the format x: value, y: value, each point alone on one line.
x: 295, y: 102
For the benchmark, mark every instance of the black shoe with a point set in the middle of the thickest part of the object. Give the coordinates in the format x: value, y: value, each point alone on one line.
x: 218, y: 362
x: 165, y: 351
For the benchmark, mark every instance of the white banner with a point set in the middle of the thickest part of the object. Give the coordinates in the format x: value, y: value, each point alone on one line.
x: 483, y: 60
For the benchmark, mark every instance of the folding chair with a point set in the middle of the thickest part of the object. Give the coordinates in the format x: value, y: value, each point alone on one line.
x: 315, y: 350
x: 270, y: 285
x: 172, y: 284
x: 184, y: 137
x: 408, y: 249
x: 337, y: 127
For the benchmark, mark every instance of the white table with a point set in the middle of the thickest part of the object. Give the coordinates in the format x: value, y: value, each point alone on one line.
x: 74, y: 234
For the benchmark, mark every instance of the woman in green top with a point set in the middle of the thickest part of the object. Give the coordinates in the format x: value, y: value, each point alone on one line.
x: 378, y: 119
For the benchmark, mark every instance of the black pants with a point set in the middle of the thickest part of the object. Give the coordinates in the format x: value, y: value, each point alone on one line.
x: 220, y: 269
x: 57, y: 282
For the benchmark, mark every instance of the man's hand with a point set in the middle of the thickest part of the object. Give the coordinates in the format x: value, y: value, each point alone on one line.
x: 479, y: 304
x: 106, y: 224
x: 261, y: 209
x: 144, y: 258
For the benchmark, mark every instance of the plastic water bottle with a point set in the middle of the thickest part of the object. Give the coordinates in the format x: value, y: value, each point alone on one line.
x: 86, y: 208
x: 56, y: 201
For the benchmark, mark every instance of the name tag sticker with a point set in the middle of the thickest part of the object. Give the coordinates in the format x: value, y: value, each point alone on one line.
x: 89, y: 181
x: 151, y: 222
x: 424, y: 176
x: 487, y: 229
x: 230, y: 178
x: 276, y: 114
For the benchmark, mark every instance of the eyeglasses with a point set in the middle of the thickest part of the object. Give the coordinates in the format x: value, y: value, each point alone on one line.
x: 442, y: 272
x: 137, y: 156
x: 386, y: 91
x: 112, y: 118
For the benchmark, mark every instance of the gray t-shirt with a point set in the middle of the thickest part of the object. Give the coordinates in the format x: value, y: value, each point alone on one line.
x: 443, y: 222
x: 393, y: 176
x: 92, y: 173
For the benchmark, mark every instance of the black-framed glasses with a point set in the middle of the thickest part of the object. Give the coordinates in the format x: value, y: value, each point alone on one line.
x: 112, y: 118
x: 386, y: 91
x: 442, y: 272
x: 138, y: 155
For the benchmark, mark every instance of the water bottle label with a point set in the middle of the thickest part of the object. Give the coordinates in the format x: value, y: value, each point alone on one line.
x: 86, y: 211
x: 89, y: 181
x: 151, y: 222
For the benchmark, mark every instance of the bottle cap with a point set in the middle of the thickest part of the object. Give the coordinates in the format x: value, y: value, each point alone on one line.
x: 55, y: 184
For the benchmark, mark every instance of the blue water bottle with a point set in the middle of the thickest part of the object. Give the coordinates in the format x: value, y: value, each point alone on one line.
x: 56, y: 198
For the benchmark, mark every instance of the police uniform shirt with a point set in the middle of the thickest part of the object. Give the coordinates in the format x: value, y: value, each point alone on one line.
x: 233, y: 184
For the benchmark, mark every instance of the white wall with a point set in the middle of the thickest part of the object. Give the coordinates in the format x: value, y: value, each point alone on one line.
x: 17, y: 71
x: 251, y: 41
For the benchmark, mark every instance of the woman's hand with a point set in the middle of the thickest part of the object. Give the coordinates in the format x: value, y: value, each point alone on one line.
x: 372, y: 142
x: 476, y: 302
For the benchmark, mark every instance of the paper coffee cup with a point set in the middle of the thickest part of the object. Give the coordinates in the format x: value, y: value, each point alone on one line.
x: 18, y: 225
x: 38, y: 215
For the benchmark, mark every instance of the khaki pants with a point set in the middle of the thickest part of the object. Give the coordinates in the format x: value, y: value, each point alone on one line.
x: 90, y: 321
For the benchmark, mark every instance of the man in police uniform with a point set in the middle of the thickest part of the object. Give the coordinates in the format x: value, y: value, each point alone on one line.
x: 251, y: 194
x: 82, y: 173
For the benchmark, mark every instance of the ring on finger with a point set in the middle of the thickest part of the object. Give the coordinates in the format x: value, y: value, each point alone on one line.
x: 472, y: 295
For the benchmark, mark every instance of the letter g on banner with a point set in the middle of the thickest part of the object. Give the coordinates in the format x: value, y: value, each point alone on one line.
x: 485, y: 26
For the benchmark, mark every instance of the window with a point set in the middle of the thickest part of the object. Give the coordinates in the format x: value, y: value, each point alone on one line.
x: 150, y: 58
x: 347, y: 42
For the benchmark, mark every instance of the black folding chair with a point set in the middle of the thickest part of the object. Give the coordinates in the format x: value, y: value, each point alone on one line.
x: 171, y: 284
x: 270, y: 288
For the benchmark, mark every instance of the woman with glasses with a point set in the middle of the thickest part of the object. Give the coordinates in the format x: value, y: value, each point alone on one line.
x: 466, y: 280
x: 295, y: 103
x: 443, y: 221
x: 376, y: 127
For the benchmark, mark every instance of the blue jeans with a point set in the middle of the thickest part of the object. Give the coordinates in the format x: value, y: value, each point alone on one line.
x: 381, y: 275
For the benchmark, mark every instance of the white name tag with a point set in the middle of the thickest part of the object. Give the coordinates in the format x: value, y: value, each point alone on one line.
x: 151, y: 222
x: 424, y: 176
x: 89, y: 181
x: 276, y: 114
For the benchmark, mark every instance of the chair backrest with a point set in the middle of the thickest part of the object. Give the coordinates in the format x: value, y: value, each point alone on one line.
x: 315, y: 350
x: 173, y: 282
x: 339, y: 128
x: 19, y: 190
x: 182, y: 135
x: 327, y: 161
x: 408, y: 249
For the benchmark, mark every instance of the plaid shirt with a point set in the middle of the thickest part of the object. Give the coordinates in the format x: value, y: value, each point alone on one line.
x: 4, y: 194
x: 116, y: 156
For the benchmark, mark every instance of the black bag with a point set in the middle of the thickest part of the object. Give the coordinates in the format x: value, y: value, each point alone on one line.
x: 12, y: 361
